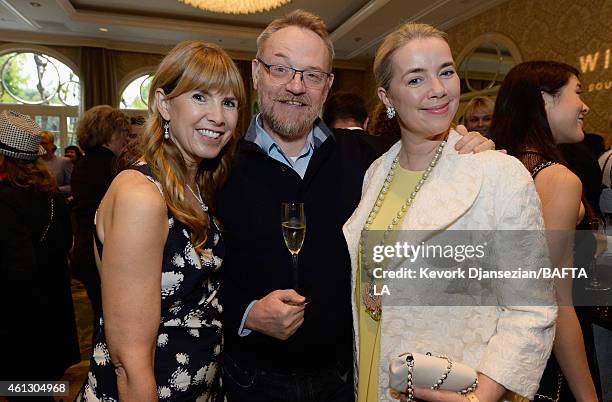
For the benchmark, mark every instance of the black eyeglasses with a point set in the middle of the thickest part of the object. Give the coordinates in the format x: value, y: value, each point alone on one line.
x: 284, y: 74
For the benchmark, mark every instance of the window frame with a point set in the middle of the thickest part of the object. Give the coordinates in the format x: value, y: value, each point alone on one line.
x: 63, y: 112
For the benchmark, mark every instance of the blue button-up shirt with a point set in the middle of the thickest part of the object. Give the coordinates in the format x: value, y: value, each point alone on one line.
x: 299, y: 163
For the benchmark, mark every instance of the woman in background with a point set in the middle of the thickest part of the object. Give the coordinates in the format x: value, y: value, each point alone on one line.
x: 538, y: 106
x: 38, y: 335
x: 73, y: 153
x: 478, y: 114
x: 101, y: 132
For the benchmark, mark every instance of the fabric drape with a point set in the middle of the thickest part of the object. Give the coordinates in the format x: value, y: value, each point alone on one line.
x: 99, y: 77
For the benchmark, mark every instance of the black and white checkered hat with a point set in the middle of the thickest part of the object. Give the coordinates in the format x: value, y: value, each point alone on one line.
x: 19, y: 136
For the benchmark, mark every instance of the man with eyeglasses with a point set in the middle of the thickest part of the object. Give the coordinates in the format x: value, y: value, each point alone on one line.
x: 277, y: 348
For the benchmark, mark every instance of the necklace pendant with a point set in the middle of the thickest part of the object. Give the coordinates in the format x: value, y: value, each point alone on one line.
x: 372, y: 302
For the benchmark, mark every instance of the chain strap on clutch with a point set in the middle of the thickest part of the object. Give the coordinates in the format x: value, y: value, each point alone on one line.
x: 410, y: 370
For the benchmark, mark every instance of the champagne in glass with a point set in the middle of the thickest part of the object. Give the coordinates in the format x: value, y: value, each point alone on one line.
x: 602, y: 244
x: 599, y: 231
x: 293, y: 233
x: 293, y: 223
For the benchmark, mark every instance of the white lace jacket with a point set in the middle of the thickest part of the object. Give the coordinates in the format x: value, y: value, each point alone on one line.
x: 484, y: 191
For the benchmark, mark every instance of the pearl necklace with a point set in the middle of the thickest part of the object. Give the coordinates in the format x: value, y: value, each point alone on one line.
x: 373, y: 302
x: 198, y: 197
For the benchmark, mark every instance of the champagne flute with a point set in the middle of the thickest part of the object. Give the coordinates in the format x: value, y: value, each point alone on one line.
x: 293, y: 222
x: 599, y: 231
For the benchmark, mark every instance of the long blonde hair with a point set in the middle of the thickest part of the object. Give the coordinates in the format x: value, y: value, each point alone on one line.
x: 191, y: 65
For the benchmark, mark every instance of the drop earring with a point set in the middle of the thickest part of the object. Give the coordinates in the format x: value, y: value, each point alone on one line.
x: 167, y: 130
x: 390, y: 112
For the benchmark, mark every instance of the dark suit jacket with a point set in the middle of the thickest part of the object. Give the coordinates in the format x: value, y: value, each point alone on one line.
x: 258, y: 262
x: 378, y: 143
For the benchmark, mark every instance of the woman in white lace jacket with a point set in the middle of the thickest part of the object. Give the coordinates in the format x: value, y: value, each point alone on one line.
x: 507, y: 345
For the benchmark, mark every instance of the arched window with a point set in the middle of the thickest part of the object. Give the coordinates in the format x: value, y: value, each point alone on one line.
x: 38, y: 84
x: 134, y: 98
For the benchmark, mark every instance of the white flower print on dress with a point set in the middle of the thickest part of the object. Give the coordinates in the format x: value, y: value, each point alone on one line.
x: 91, y: 380
x: 182, y: 358
x: 170, y: 223
x: 178, y: 261
x: 100, y: 355
x: 175, y: 322
x: 194, y: 319
x: 89, y: 395
x: 180, y: 379
x: 176, y: 307
x: 192, y: 257
x: 164, y: 392
x: 194, y: 332
x: 162, y: 340
x: 199, y: 376
x: 170, y: 281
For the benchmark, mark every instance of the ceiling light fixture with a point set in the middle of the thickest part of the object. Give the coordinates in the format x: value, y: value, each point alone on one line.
x: 236, y: 6
x: 103, y: 29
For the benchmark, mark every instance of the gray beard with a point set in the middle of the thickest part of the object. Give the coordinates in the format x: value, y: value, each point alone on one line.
x: 288, y: 130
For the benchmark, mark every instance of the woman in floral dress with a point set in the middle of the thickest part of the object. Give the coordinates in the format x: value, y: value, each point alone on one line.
x: 158, y: 244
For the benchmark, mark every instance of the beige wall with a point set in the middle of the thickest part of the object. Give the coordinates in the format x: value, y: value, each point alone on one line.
x: 129, y: 62
x: 560, y: 30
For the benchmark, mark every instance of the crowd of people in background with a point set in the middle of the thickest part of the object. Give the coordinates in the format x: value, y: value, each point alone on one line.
x: 171, y: 223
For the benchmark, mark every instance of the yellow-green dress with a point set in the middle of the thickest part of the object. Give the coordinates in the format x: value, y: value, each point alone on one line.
x: 403, y: 184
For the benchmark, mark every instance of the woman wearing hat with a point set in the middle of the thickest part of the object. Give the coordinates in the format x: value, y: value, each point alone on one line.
x: 38, y: 338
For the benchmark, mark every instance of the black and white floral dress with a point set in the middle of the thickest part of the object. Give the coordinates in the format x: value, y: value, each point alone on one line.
x: 189, y: 340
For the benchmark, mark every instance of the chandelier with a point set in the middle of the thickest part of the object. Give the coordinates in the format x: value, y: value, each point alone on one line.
x: 236, y: 6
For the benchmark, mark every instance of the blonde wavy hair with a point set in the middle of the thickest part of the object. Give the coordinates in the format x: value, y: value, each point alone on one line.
x: 383, y: 65
x: 191, y: 65
x: 476, y: 102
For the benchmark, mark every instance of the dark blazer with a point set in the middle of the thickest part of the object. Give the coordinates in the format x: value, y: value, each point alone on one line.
x: 378, y: 143
x: 38, y: 336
